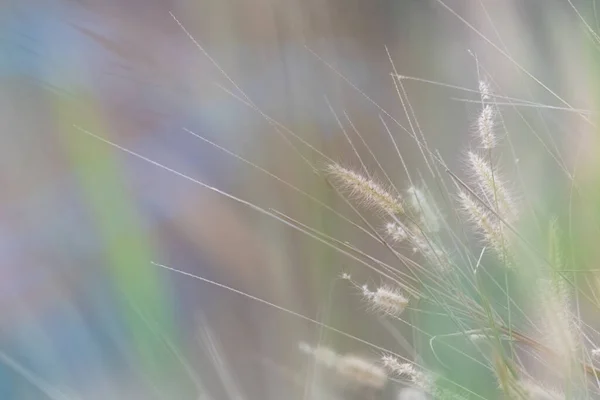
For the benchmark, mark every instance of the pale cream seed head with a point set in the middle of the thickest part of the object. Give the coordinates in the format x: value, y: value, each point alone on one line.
x: 485, y: 90
x: 560, y: 328
x: 492, y: 186
x: 366, y: 191
x: 360, y: 371
x: 386, y: 300
x: 397, y: 368
x: 485, y: 222
x: 322, y: 355
x: 406, y: 370
x: 485, y: 127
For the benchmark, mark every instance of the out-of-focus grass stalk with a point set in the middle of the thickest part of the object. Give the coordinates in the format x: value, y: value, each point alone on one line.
x: 127, y: 246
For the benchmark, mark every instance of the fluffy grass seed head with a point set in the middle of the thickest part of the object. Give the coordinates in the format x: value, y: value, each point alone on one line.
x: 485, y: 222
x: 559, y: 324
x: 351, y: 368
x: 485, y: 127
x: 492, y: 186
x: 397, y: 368
x: 485, y: 90
x: 368, y: 192
x: 322, y: 355
x: 385, y: 299
x: 407, y: 371
x: 360, y: 371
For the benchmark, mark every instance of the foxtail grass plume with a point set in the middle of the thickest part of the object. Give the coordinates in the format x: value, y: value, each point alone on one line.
x: 385, y: 299
x: 322, y: 355
x: 360, y: 371
x: 369, y: 193
x: 485, y: 127
x: 354, y: 370
x: 559, y: 326
x: 485, y: 90
x: 486, y: 224
x: 407, y: 371
x: 492, y: 186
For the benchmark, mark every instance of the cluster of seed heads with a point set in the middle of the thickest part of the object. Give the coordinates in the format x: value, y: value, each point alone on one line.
x: 373, y: 195
x: 489, y: 206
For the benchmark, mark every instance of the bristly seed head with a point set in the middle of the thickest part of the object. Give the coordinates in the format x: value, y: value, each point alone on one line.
x: 485, y: 90
x: 394, y: 366
x: 367, y: 191
x: 486, y: 223
x: 386, y: 299
x: 485, y: 127
x: 322, y: 355
x: 560, y: 327
x: 492, y: 187
x: 360, y: 371
x: 406, y: 370
x: 351, y: 368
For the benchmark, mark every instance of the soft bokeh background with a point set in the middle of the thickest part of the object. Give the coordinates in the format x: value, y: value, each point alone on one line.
x: 84, y: 313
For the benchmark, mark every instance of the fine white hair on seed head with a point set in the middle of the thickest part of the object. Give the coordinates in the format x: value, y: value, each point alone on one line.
x: 365, y: 190
x: 385, y: 299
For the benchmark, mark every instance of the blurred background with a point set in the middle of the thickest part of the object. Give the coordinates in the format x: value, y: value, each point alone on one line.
x: 84, y: 314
